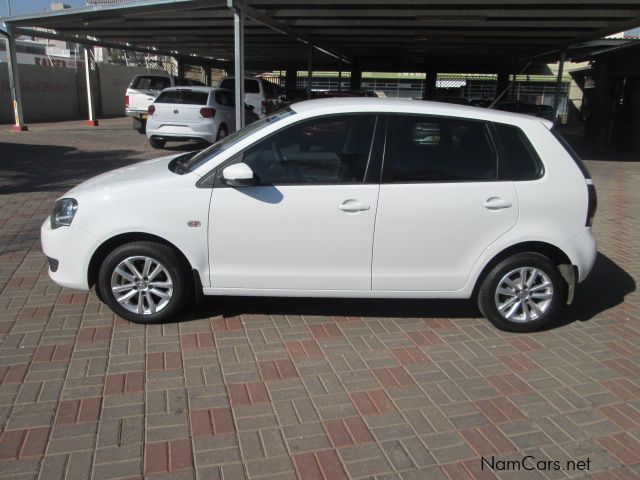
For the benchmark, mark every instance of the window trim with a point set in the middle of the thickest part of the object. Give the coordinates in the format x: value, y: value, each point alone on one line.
x: 212, y: 178
x: 386, y: 177
x: 503, y: 153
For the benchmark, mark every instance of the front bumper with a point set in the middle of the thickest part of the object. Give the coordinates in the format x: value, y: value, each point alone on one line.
x: 71, y: 248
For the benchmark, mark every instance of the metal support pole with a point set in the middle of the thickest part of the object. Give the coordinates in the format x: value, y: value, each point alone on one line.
x: 291, y: 78
x: 340, y: 70
x: 430, y: 84
x: 355, y: 82
x: 309, y: 71
x: 238, y: 38
x: 556, y: 97
x: 14, y: 84
x: 92, y: 122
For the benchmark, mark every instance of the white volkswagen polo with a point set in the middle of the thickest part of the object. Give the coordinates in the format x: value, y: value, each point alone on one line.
x: 340, y: 198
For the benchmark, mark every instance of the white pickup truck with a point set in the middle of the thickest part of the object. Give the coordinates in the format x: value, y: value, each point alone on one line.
x: 144, y: 89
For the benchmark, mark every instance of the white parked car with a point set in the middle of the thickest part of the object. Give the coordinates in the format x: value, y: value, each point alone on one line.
x: 349, y: 197
x: 143, y: 90
x: 191, y: 113
x: 265, y: 97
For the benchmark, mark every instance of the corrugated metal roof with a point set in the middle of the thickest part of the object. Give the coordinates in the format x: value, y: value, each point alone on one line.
x: 408, y: 35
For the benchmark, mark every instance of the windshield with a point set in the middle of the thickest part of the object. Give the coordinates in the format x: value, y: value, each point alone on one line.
x: 207, y: 154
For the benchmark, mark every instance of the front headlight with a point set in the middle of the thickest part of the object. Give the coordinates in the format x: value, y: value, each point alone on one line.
x: 63, y: 212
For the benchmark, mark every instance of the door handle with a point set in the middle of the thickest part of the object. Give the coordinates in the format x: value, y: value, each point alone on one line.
x: 496, y: 203
x: 353, y: 206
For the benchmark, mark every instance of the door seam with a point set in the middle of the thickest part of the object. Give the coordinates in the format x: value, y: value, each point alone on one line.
x: 373, y: 239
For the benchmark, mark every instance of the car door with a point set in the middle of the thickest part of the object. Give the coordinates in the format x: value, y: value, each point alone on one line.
x: 307, y: 224
x: 440, y: 203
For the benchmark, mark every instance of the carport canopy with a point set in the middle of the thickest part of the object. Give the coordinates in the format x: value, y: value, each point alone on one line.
x: 498, y: 36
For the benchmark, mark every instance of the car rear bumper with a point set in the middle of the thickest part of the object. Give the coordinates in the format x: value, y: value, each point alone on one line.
x: 197, y: 131
x: 68, y: 250
x: 134, y: 112
x: 582, y: 250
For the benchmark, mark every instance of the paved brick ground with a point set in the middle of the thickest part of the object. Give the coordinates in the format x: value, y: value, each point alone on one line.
x: 274, y: 389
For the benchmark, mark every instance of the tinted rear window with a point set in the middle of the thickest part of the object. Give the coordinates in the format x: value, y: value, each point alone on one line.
x: 250, y: 86
x: 184, y: 97
x: 151, y: 82
x: 520, y: 161
x: 434, y: 149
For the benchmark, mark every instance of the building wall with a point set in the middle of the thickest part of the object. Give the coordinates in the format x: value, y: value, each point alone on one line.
x: 113, y: 83
x: 47, y: 93
x: 51, y: 94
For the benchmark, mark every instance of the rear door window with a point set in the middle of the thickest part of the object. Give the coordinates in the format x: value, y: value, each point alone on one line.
x: 520, y: 160
x: 422, y: 148
x: 187, y: 97
x: 151, y: 82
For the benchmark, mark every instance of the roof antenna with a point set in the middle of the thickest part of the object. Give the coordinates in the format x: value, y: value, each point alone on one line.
x: 499, y: 97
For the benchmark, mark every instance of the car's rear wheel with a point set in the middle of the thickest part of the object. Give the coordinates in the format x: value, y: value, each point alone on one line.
x: 522, y: 293
x: 144, y: 282
x: 157, y: 142
x: 222, y: 132
x: 140, y: 125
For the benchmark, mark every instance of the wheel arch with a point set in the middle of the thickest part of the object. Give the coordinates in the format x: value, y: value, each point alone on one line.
x: 553, y: 253
x: 114, y: 242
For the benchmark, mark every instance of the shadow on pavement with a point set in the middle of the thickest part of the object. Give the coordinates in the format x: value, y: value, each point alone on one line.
x: 36, y: 168
x: 605, y: 288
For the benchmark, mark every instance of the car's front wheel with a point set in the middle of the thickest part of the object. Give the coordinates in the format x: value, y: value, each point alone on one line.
x: 522, y: 293
x: 144, y: 282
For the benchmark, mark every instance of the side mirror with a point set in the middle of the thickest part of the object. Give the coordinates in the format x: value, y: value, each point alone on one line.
x: 251, y: 108
x: 238, y: 175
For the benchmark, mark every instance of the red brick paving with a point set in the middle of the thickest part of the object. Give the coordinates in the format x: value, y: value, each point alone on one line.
x: 79, y: 411
x: 345, y: 432
x: 372, y: 402
x: 248, y: 393
x: 168, y: 457
x: 123, y: 383
x: 215, y: 421
x: 277, y: 370
x: 322, y: 465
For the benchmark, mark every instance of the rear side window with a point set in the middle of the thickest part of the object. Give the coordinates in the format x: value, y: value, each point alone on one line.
x: 151, y: 82
x: 187, y: 97
x: 520, y: 162
x: 225, y: 98
x: 250, y: 85
x: 433, y: 149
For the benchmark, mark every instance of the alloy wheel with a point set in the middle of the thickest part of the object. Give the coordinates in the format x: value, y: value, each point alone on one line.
x: 524, y: 294
x: 142, y: 285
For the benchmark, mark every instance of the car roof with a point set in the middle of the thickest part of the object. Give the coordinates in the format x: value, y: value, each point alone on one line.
x: 392, y: 105
x: 196, y: 88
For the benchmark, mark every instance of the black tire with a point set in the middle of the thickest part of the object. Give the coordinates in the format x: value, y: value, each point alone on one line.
x: 222, y: 132
x: 488, y: 296
x: 140, y: 125
x: 157, y: 143
x: 175, y: 273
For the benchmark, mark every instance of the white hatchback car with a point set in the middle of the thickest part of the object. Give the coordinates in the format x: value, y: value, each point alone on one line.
x: 191, y: 113
x: 354, y: 197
